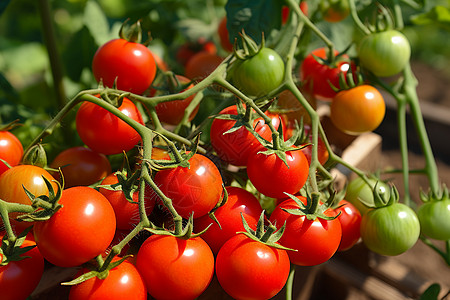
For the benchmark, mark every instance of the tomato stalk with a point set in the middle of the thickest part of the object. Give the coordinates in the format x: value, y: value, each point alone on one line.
x: 8, y: 207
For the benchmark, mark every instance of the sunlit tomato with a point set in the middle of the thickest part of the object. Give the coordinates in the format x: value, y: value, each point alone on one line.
x: 285, y: 11
x: 11, y: 150
x: 384, y: 53
x: 334, y: 10
x: 358, y: 110
x: 201, y: 65
x: 104, y: 132
x: 79, y: 231
x: 271, y: 177
x: 175, y: 268
x: 434, y: 219
x: 172, y: 112
x: 224, y: 37
x: 350, y: 219
x: 318, y: 77
x: 122, y: 282
x: 240, y: 201
x: 248, y: 269
x: 131, y: 64
x: 360, y: 194
x: 127, y: 213
x: 18, y: 279
x: 390, y: 230
x: 189, y: 49
x: 81, y: 166
x: 194, y: 190
x: 13, y: 182
x: 316, y: 240
x: 235, y: 147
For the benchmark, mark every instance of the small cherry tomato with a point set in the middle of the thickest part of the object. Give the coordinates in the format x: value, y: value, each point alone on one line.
x: 11, y: 150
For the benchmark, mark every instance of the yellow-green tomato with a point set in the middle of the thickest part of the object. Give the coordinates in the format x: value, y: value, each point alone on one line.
x: 360, y: 194
x: 434, y: 217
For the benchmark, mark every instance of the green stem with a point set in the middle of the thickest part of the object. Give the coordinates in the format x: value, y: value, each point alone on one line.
x: 401, y: 123
x: 290, y: 283
x: 356, y: 19
x: 444, y: 255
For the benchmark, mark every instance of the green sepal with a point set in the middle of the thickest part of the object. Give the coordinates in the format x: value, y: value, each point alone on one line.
x: 313, y: 209
x: 378, y: 199
x: 12, y: 250
x: 35, y: 156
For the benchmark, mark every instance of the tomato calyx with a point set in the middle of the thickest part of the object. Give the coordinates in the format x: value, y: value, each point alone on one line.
x: 11, y: 248
x: 268, y: 235
x: 133, y: 34
x: 313, y: 209
x: 441, y: 195
x: 185, y: 232
x: 380, y: 201
x: 249, y: 47
x: 35, y: 156
x: 10, y: 126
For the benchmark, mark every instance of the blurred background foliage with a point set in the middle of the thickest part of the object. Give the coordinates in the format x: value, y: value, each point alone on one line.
x: 80, y: 26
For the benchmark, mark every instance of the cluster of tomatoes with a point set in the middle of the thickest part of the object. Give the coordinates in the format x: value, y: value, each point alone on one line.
x: 203, y: 222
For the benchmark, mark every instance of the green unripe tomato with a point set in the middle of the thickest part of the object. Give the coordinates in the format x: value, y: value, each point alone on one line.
x: 434, y: 217
x: 390, y: 230
x: 360, y: 194
x: 384, y: 53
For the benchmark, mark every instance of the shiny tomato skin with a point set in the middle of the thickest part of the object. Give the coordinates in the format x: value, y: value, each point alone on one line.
x: 317, y: 77
x: 195, y: 190
x: 132, y: 63
x: 127, y: 213
x: 201, y: 65
x: 18, y: 279
x: 11, y: 150
x: 350, y: 219
x: 236, y: 147
x: 358, y: 110
x: 172, y: 112
x: 123, y: 282
x: 390, y: 230
x: 271, y: 177
x: 104, y: 132
x: 81, y: 166
x: 248, y: 269
x: 316, y: 240
x: 434, y: 219
x: 175, y: 268
x: 229, y: 216
x: 79, y: 231
x: 12, y: 183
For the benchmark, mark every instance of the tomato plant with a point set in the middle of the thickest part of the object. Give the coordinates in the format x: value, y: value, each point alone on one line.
x: 249, y: 269
x: 81, y: 166
x: 175, y: 268
x: 285, y: 11
x: 67, y: 239
x: 104, y: 132
x: 201, y: 65
x: 11, y: 150
x: 128, y: 64
x: 360, y: 194
x: 364, y: 103
x: 187, y: 50
x: 384, y: 53
x: 433, y: 217
x: 350, y: 219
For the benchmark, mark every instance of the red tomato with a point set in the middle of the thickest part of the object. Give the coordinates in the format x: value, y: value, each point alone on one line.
x: 12, y: 183
x: 316, y: 241
x: 350, y: 219
x: 285, y: 11
x: 229, y: 215
x: 248, y: 269
x: 11, y: 150
x: 127, y: 213
x: 105, y: 133
x: 79, y: 231
x: 189, y: 49
x: 175, y: 268
x: 224, y: 37
x: 317, y: 77
x: 81, y: 166
x: 235, y: 147
x: 18, y: 279
x: 271, y: 177
x: 131, y: 63
x: 123, y: 282
x: 201, y: 65
x: 172, y: 112
x: 194, y: 190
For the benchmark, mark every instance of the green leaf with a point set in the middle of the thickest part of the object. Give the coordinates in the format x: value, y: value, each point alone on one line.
x: 254, y: 17
x: 431, y: 293
x: 438, y: 15
x: 97, y: 23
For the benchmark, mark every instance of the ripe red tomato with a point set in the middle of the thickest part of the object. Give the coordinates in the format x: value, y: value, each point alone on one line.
x: 224, y: 37
x: 81, y: 166
x: 357, y: 110
x: 175, y: 268
x: 18, y: 279
x: 189, y: 49
x: 285, y: 11
x: 15, y: 179
x: 316, y: 77
x: 172, y: 112
x: 127, y: 213
x: 235, y: 147
x: 248, y: 269
x: 194, y: 190
x: 350, y: 219
x: 334, y: 10
x: 271, y: 177
x: 79, y: 231
x: 201, y: 65
x: 11, y: 150
x: 229, y: 215
x: 316, y: 240
x: 105, y: 133
x: 131, y: 63
x: 123, y: 282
